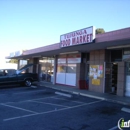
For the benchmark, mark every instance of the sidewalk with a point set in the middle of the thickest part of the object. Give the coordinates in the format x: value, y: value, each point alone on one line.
x: 102, y: 96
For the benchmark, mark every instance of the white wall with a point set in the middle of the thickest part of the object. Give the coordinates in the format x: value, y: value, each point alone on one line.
x: 60, y: 78
x: 70, y: 79
x: 66, y: 79
x: 8, y: 66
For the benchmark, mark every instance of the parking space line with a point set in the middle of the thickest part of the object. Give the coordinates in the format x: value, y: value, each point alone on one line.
x: 8, y: 119
x: 18, y: 108
x: 63, y: 94
x: 125, y: 109
x: 114, y: 128
x: 67, y: 100
x: 23, y: 92
x: 43, y: 98
x: 30, y: 92
x: 27, y: 100
x: 18, y: 117
x: 49, y: 103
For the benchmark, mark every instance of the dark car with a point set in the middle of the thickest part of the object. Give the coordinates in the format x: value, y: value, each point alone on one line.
x: 21, y: 76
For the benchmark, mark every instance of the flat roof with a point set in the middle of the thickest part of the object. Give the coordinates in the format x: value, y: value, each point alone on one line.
x: 102, y: 41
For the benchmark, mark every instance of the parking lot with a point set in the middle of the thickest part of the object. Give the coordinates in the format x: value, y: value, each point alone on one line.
x: 23, y: 108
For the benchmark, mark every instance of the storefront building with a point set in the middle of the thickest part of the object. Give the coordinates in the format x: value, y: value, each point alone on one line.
x: 99, y: 63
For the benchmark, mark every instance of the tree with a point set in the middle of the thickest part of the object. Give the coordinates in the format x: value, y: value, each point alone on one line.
x: 100, y: 31
x: 13, y: 61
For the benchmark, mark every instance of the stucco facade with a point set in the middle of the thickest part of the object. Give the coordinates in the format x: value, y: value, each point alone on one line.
x: 106, y: 51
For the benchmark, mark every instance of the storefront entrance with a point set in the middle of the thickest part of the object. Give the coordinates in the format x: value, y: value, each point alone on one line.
x: 47, y: 69
x: 111, y: 71
x: 66, y: 69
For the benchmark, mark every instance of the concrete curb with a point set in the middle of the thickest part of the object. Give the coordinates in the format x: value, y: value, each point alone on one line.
x: 33, y: 86
x: 126, y: 110
x: 63, y: 94
x: 88, y: 95
x: 77, y: 93
x: 91, y: 96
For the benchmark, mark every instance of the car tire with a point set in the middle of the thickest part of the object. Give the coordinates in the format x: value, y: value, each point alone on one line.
x: 28, y: 83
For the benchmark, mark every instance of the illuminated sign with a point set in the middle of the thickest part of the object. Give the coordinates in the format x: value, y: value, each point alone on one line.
x: 83, y: 36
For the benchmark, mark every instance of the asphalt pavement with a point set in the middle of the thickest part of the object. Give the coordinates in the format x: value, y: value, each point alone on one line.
x: 41, y: 108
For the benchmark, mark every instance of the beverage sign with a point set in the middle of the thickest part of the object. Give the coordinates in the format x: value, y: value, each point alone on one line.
x: 74, y: 58
x: 18, y: 53
x: 86, y: 35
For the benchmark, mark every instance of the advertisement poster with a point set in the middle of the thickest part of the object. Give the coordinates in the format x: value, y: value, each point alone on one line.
x: 96, y: 72
x: 96, y: 81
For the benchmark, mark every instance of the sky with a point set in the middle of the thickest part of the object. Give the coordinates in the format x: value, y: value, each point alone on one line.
x: 27, y: 24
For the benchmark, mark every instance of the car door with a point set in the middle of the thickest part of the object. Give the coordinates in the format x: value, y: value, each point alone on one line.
x: 12, y: 76
x: 3, y: 77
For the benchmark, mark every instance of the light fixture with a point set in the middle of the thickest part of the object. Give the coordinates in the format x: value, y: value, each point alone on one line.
x: 70, y: 52
x: 116, y: 47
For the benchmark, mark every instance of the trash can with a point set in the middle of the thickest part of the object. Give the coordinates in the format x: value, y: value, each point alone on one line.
x: 83, y: 84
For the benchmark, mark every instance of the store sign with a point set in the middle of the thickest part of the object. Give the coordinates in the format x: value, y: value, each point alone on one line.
x: 16, y: 53
x: 12, y: 54
x: 126, y: 57
x: 61, y: 60
x: 74, y: 58
x: 83, y: 36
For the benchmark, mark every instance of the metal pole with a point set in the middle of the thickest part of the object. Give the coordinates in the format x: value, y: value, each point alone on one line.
x: 104, y: 77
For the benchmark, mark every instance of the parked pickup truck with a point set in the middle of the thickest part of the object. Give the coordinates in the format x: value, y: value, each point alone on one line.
x: 12, y: 76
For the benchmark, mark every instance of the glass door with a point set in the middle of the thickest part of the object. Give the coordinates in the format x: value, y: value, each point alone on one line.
x: 111, y: 70
x: 47, y: 69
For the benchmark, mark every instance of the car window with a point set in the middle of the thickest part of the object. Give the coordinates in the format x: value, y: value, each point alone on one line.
x: 11, y: 72
x: 6, y: 72
x: 3, y: 72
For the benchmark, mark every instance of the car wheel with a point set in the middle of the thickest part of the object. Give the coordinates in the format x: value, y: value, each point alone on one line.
x: 28, y: 83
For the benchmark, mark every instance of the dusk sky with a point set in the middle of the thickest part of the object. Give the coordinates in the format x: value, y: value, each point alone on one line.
x: 27, y: 24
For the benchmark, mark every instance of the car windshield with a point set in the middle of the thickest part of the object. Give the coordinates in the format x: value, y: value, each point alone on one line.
x: 4, y: 72
x: 11, y: 72
x: 23, y: 69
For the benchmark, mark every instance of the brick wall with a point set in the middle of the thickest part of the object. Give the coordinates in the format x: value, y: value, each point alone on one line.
x: 97, y: 58
x: 121, y: 79
x: 80, y: 73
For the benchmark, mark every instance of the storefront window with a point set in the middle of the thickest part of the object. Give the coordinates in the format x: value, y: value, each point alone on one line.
x: 71, y: 59
x: 66, y: 69
x: 71, y: 68
x: 126, y: 51
x: 47, y: 69
x: 22, y: 63
x: 61, y: 68
x: 116, y: 55
x: 128, y: 68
